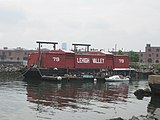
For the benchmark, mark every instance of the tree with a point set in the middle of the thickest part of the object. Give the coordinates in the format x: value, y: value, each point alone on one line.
x: 120, y: 52
x: 133, y: 56
x: 157, y: 66
x: 135, y: 65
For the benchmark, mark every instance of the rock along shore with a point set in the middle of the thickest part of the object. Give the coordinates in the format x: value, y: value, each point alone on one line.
x: 154, y: 116
x: 11, y: 67
x: 11, y: 71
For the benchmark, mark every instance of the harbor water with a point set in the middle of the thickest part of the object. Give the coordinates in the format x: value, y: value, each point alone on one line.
x: 41, y: 100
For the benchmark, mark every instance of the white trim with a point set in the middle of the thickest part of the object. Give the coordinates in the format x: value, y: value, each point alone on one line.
x: 123, y: 69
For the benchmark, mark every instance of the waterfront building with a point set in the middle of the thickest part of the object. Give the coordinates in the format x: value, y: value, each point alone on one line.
x: 150, y: 55
x: 17, y: 55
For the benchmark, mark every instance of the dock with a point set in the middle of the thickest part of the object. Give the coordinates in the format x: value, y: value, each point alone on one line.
x: 154, y: 83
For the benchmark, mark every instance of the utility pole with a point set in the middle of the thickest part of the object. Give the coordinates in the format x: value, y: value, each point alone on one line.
x: 115, y: 48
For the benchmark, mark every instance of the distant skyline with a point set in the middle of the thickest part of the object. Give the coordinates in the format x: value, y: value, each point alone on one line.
x: 129, y: 24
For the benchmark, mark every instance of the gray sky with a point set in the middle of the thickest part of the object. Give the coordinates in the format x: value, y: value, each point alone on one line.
x: 131, y: 24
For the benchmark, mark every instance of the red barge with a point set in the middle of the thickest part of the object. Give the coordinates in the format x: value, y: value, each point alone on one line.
x: 62, y: 64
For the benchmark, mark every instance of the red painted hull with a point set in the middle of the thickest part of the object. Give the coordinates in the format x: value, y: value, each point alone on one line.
x: 71, y: 60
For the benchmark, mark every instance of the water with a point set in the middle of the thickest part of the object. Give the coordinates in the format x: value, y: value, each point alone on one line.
x: 37, y: 100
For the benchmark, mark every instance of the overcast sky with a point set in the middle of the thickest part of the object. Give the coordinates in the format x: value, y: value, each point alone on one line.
x: 131, y: 24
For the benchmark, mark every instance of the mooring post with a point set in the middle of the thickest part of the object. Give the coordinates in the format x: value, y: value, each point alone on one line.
x: 39, y: 53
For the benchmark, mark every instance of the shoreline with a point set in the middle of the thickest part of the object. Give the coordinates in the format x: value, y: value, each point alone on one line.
x: 154, y: 116
x: 11, y: 67
x: 4, y: 76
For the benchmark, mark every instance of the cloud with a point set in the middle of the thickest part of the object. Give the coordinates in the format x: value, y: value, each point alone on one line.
x: 10, y: 17
x: 103, y: 23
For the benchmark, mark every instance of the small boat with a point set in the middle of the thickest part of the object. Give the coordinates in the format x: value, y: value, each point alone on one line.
x: 117, y: 78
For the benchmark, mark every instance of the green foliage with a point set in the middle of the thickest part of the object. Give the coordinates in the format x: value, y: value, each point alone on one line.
x: 133, y: 56
x: 157, y: 66
x: 134, y: 65
x: 120, y: 52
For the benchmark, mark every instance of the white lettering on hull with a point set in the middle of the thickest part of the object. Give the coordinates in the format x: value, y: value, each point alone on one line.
x: 83, y: 60
x: 121, y: 60
x: 93, y: 60
x: 98, y: 60
x: 56, y: 59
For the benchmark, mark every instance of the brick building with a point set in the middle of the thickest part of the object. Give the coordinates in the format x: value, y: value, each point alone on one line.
x: 151, y: 55
x: 18, y: 55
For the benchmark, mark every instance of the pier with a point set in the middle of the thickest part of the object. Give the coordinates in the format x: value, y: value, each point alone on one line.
x: 154, y: 83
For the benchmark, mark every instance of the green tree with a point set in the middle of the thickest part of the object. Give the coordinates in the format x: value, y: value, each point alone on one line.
x: 120, y: 52
x: 133, y: 56
x: 135, y: 65
x: 157, y: 66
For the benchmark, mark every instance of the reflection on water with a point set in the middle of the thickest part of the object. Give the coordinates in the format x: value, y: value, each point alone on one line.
x: 75, y: 94
x: 86, y: 99
x: 39, y: 100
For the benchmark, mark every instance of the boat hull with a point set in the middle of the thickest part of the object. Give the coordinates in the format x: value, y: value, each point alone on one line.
x: 53, y: 75
x: 32, y: 73
x: 39, y: 72
x: 117, y: 78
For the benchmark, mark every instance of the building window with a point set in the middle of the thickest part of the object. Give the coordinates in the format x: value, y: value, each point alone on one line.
x: 2, y: 58
x: 25, y: 58
x: 3, y: 53
x: 10, y: 53
x: 149, y: 60
x: 141, y: 61
x: 149, y: 55
x: 157, y: 50
x: 25, y: 53
x: 18, y: 58
x: 149, y: 50
x: 157, y: 55
x: 141, y: 55
x: 157, y: 61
